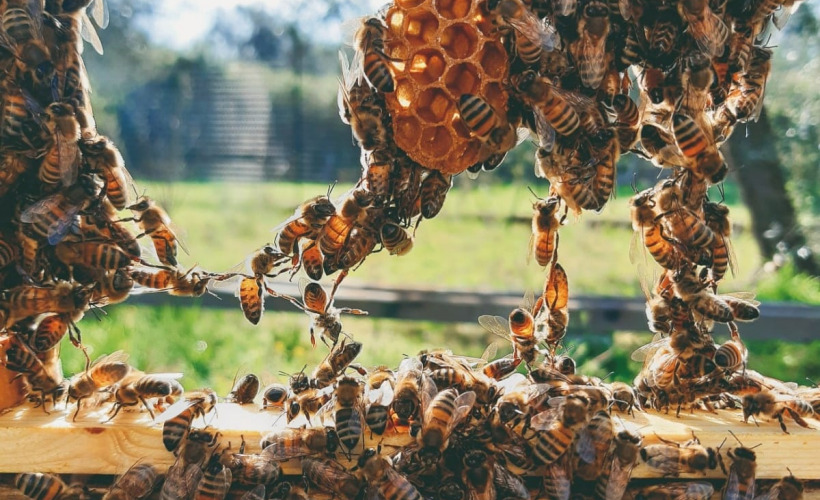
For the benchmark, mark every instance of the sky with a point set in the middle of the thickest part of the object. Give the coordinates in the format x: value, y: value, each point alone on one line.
x: 179, y: 24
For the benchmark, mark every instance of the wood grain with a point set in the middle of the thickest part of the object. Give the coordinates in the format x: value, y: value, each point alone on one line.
x: 53, y: 443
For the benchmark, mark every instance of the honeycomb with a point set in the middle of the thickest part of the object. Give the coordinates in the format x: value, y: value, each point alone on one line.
x: 450, y: 48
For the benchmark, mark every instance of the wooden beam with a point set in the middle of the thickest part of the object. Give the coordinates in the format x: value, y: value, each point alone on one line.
x: 53, y: 443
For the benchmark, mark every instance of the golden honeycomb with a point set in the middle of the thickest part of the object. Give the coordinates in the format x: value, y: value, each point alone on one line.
x: 450, y: 48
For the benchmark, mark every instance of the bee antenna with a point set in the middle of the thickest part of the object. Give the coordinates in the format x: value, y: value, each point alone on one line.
x: 533, y: 192
x: 736, y: 438
x: 331, y: 186
x: 634, y: 183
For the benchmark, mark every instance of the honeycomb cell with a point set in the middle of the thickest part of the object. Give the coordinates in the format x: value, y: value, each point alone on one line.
x: 405, y: 93
x: 433, y: 105
x: 421, y: 28
x: 408, y: 127
x: 409, y: 4
x: 495, y: 96
x: 460, y: 128
x: 397, y: 50
x: 493, y: 60
x: 462, y: 79
x: 426, y: 66
x: 395, y: 20
x: 452, y: 9
x: 459, y: 40
x: 436, y: 141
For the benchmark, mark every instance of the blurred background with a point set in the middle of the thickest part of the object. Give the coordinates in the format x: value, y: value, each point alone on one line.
x: 225, y: 111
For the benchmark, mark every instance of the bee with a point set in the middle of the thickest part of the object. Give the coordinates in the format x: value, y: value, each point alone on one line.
x: 330, y: 476
x: 722, y: 256
x: 550, y: 438
x: 60, y: 163
x: 112, y: 288
x: 741, y: 481
x: 434, y: 189
x: 12, y: 167
x: 732, y: 354
x: 556, y: 301
x: 103, y: 157
x: 442, y: 414
x: 588, y: 50
x: 380, y: 476
x: 348, y: 412
x: 106, y: 371
x: 679, y: 222
x: 519, y: 330
x: 592, y: 446
x: 288, y: 491
x: 257, y: 493
x: 251, y: 299
x: 22, y: 28
x: 274, y: 396
x: 378, y: 174
x: 306, y: 223
x: 335, y: 363
x: 155, y: 223
x: 645, y: 223
x: 41, y: 486
x: 721, y: 308
x: 334, y: 233
x: 485, y: 123
x: 104, y: 256
x: 624, y: 397
x: 379, y: 397
x: 787, y: 488
x: 250, y: 469
x: 44, y: 378
x: 191, y: 283
x: 51, y: 330
x: 362, y: 107
x: 396, y: 239
x: 324, y: 316
x: 557, y: 482
x: 501, y: 368
x: 669, y: 491
x: 545, y: 224
x: 309, y: 402
x: 244, y: 390
x: 262, y: 262
x: 215, y: 482
x: 52, y: 217
x: 197, y: 445
x: 708, y: 30
x: 360, y: 243
x: 477, y: 474
x: 673, y: 459
x: 612, y: 482
x: 374, y: 63
x: 697, y: 80
x: 555, y: 108
x: 137, y: 482
x: 137, y: 387
x: 627, y: 120
x: 447, y: 370
x: 180, y: 481
x: 288, y: 443
x: 411, y: 383
x: 776, y: 405
x: 30, y: 300
x: 746, y: 100
x: 176, y: 420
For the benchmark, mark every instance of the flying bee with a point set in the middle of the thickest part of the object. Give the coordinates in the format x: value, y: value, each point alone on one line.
x: 519, y: 330
x: 555, y: 108
x: 106, y: 371
x: 545, y: 224
x: 592, y: 446
x: 97, y: 255
x: 176, y: 420
x: 138, y: 387
x: 434, y: 189
x: 215, y: 482
x: 362, y: 107
x: 61, y: 161
x: 274, y: 395
x: 52, y: 217
x: 396, y: 239
x: 551, y: 437
x: 306, y: 223
x: 442, y: 414
x: 339, y: 358
x: 137, y: 482
x: 776, y: 405
x: 324, y: 315
x: 708, y: 30
x: 244, y: 390
x: 330, y: 476
x: 104, y: 157
x: 614, y: 479
x: 588, y: 50
x: 41, y: 486
x: 380, y: 476
x: 155, y: 223
x: 284, y: 444
x: 673, y: 459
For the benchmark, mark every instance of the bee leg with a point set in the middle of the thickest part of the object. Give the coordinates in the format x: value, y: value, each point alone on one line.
x: 779, y: 416
x: 145, y: 404
x: 114, y: 410
x: 77, y: 411
x: 313, y: 338
x: 797, y: 418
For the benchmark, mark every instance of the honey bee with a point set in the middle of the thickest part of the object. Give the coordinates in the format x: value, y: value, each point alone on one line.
x: 588, y: 50
x: 113, y: 288
x: 627, y: 120
x: 348, y: 412
x: 721, y: 308
x: 306, y: 223
x: 52, y: 217
x: 519, y: 330
x: 612, y: 482
x: 51, y: 330
x: 259, y: 492
x: 307, y: 402
x: 555, y: 108
x: 251, y: 299
x: 484, y: 122
x: 275, y: 396
x: 176, y: 420
x: 285, y: 490
x: 136, y: 483
x: 745, y: 101
x: 396, y: 239
x: 442, y: 414
x: 137, y: 388
x: 776, y: 405
x: 191, y: 283
x: 44, y: 378
x: 380, y: 476
x: 477, y: 474
x: 362, y: 108
x: 646, y: 226
x: 411, y: 383
x: 39, y: 486
x: 732, y: 354
x: 104, y: 256
x: 787, y: 488
x: 155, y: 223
x: 722, y: 256
x: 557, y: 482
x: 372, y: 60
x: 741, y: 481
x: 30, y: 300
x: 197, y: 445
x: 334, y: 233
x: 180, y: 481
x: 592, y: 446
x: 244, y: 390
x: 106, y: 371
x: 60, y: 163
x: 360, y: 243
x: 545, y: 224
x: 22, y: 35
x: 378, y: 174
x: 215, y: 482
x: 250, y: 469
x: 551, y: 437
x: 624, y: 397
x: 324, y: 316
x: 708, y: 30
x: 379, y: 397
x: 556, y: 302
x: 687, y: 489
x: 330, y: 476
x: 434, y: 189
x: 262, y: 262
x: 288, y: 443
x: 104, y: 157
x: 447, y: 370
x: 12, y: 167
x: 680, y: 222
x: 339, y: 358
x: 673, y: 459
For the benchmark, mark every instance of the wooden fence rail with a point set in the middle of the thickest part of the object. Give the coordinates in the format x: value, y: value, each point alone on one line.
x: 589, y: 315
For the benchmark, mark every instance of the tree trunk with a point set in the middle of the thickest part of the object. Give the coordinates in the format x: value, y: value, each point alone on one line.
x: 751, y: 152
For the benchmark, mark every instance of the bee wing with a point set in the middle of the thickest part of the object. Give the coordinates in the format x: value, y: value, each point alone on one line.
x: 495, y: 325
x: 489, y: 353
x: 463, y: 404
x: 732, y: 490
x: 258, y: 493
x: 710, y: 33
x: 772, y: 494
x: 68, y: 153
x: 528, y: 302
x: 545, y: 133
x: 89, y: 34
x: 618, y: 480
x: 745, y: 297
x: 114, y: 357
x: 559, y: 478
x: 782, y: 15
x: 382, y: 396
x: 412, y: 363
x: 545, y: 419
x: 228, y: 285
x: 585, y: 445
x: 99, y: 12
x: 565, y: 7
x: 40, y: 207
x: 428, y: 392
x: 645, y: 351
